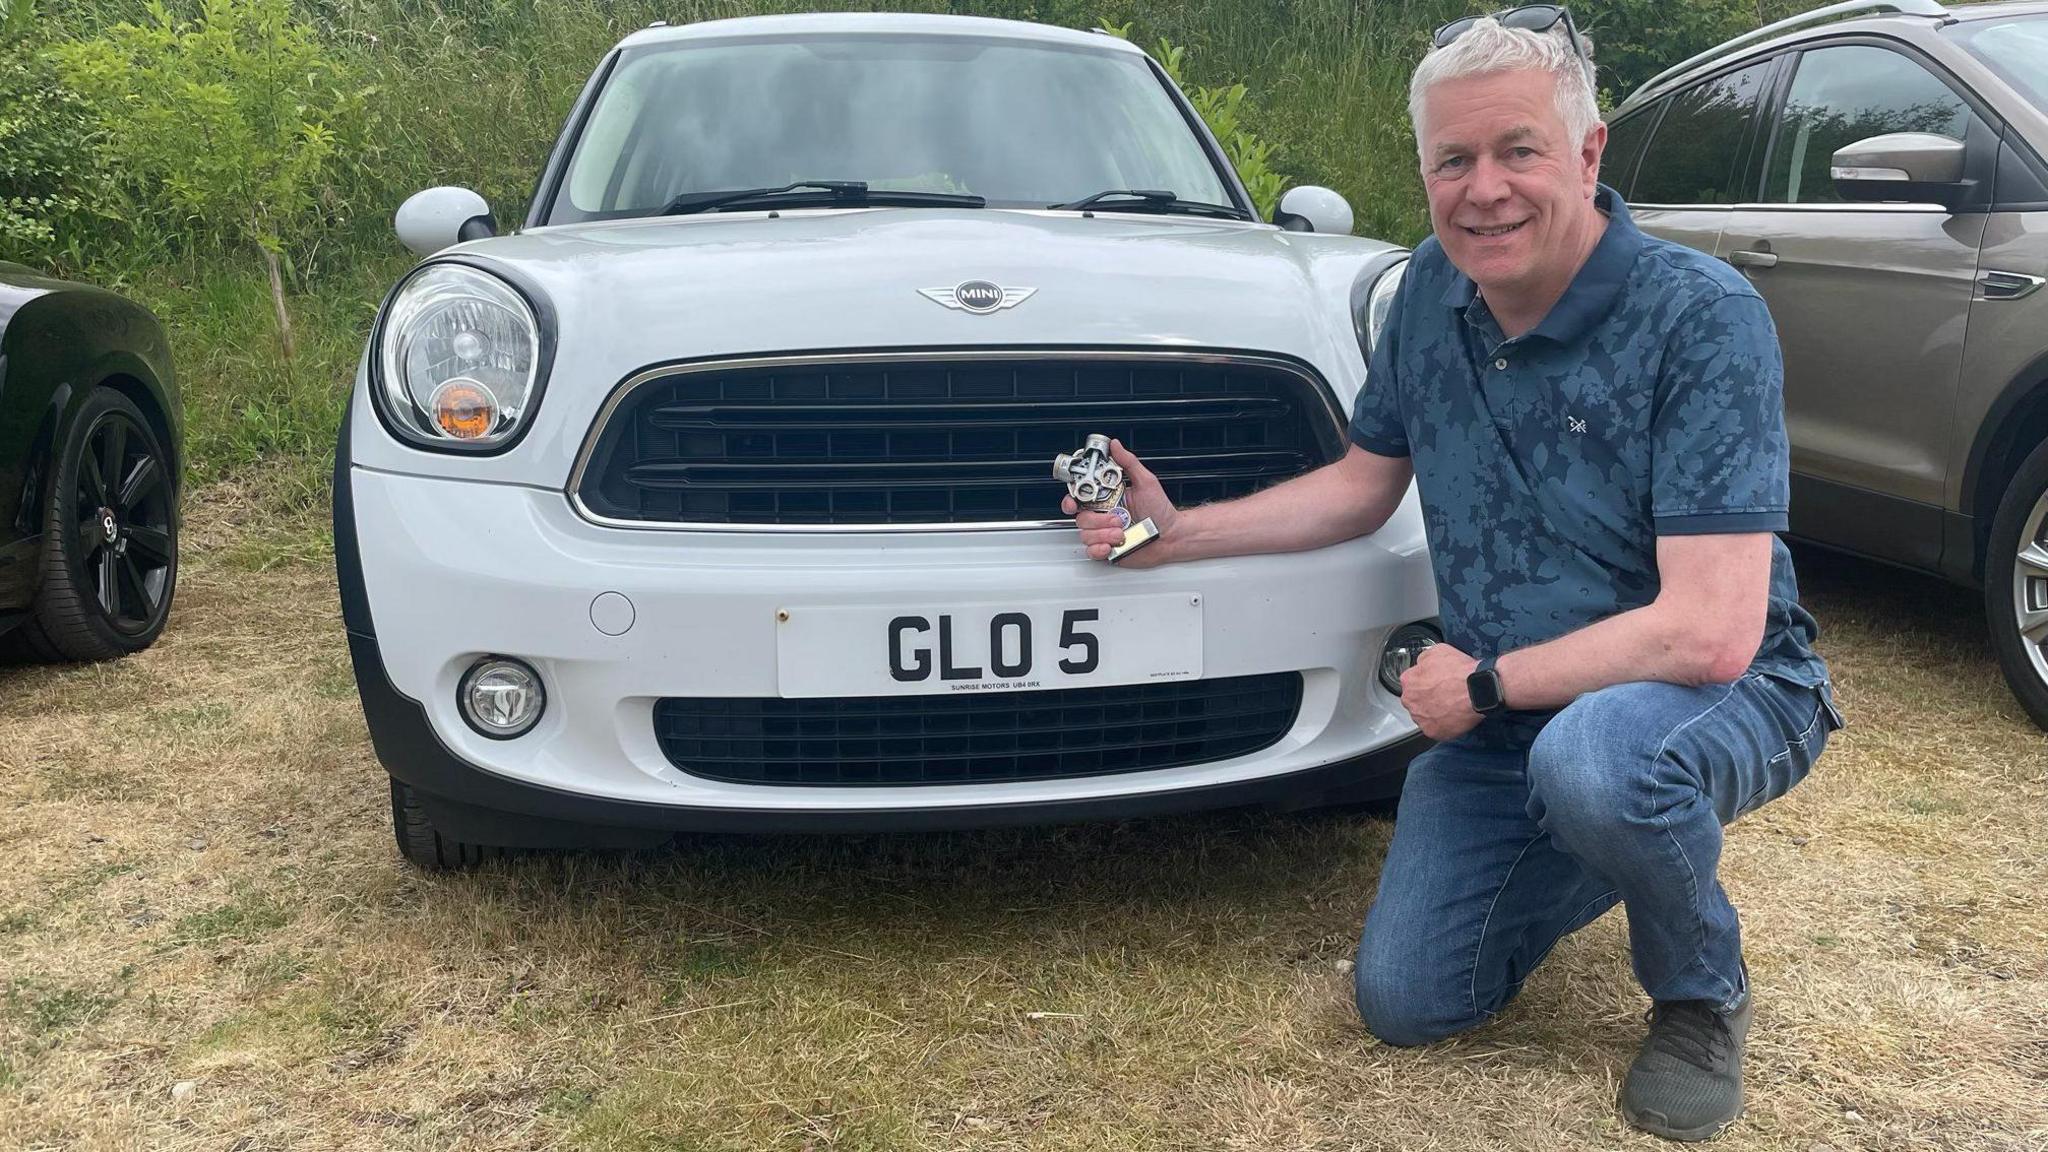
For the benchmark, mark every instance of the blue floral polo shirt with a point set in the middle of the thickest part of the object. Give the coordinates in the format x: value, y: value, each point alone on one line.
x: 1648, y: 402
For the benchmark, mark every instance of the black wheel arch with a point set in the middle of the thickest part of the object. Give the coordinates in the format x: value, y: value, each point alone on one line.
x: 2014, y: 425
x: 59, y: 342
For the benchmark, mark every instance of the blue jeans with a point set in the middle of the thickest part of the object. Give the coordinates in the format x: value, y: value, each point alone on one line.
x: 1502, y: 847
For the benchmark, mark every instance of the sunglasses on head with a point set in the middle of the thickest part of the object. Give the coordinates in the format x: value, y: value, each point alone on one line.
x: 1529, y: 17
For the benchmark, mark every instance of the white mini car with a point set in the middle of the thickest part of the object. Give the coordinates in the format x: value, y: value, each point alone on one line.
x: 720, y: 495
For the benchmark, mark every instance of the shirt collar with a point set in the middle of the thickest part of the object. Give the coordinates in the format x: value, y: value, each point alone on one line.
x: 1592, y: 291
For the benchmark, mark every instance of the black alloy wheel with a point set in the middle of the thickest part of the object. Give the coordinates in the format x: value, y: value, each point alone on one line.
x: 110, y: 540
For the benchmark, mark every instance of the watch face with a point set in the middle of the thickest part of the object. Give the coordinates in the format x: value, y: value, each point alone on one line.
x: 1484, y: 689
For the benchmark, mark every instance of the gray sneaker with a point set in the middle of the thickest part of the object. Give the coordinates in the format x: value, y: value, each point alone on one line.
x: 1686, y: 1083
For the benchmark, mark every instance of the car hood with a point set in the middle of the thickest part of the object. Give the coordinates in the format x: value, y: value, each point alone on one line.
x: 706, y: 285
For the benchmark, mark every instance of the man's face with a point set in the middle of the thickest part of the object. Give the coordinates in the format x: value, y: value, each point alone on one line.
x: 1509, y: 191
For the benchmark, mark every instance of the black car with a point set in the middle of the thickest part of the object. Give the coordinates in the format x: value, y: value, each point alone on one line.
x: 90, y: 436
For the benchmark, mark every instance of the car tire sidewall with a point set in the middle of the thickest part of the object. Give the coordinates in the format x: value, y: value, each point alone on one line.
x: 422, y: 844
x: 80, y: 629
x: 2002, y: 556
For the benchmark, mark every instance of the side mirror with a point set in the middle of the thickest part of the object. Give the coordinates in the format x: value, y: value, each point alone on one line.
x: 438, y: 217
x: 1313, y: 209
x: 1910, y: 166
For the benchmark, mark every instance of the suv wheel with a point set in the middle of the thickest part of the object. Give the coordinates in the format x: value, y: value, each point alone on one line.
x: 110, y: 533
x: 2016, y: 585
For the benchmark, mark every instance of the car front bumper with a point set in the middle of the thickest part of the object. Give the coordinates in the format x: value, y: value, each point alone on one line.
x: 436, y: 573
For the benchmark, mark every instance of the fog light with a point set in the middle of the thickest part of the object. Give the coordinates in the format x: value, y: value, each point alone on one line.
x: 1403, y: 647
x: 501, y: 697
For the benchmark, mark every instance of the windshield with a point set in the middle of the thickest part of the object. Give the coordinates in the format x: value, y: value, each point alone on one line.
x: 1021, y: 124
x: 2016, y: 49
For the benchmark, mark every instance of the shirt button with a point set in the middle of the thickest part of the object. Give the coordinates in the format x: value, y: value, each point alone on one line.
x: 1501, y: 364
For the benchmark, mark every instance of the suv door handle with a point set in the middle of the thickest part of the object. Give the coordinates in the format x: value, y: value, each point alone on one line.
x: 1745, y: 258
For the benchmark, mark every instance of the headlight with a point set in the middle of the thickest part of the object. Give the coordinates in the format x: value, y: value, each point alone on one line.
x: 459, y: 359
x: 1378, y: 303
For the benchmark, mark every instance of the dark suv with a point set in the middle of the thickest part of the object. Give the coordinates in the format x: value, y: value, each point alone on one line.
x: 1876, y: 170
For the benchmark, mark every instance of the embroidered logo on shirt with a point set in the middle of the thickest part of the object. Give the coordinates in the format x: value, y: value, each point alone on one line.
x: 1575, y: 424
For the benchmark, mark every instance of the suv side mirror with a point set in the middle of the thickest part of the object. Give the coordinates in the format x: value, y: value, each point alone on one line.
x: 438, y: 217
x: 1914, y: 166
x: 1313, y: 209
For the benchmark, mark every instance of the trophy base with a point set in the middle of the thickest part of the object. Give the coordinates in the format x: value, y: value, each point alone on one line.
x: 1135, y: 537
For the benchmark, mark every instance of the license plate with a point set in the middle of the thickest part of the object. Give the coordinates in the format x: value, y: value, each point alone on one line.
x: 840, y: 650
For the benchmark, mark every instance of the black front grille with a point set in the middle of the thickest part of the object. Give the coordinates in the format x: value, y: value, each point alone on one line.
x: 940, y: 440
x: 976, y: 737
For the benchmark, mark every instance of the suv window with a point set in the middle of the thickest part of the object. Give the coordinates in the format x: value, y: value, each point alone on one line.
x: 1625, y: 140
x: 1848, y: 93
x: 1693, y: 157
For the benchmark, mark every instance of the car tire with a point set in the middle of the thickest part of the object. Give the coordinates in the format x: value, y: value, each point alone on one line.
x: 110, y: 538
x: 422, y: 844
x: 2016, y: 585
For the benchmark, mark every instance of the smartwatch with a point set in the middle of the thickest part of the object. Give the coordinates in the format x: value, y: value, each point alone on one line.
x: 1484, y: 689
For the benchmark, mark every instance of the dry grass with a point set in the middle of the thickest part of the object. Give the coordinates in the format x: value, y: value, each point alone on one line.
x: 200, y: 888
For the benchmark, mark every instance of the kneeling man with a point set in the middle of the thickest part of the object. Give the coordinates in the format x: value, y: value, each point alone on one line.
x: 1594, y: 420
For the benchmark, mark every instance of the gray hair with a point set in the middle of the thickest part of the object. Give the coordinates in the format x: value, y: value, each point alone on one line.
x: 1488, y: 46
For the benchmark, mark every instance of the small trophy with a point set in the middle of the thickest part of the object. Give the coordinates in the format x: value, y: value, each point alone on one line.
x: 1097, y: 484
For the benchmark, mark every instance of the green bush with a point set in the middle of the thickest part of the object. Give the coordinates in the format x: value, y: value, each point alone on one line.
x: 219, y: 124
x: 52, y: 175
x: 469, y: 92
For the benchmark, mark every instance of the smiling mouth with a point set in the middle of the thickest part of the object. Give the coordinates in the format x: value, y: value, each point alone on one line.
x: 1492, y: 230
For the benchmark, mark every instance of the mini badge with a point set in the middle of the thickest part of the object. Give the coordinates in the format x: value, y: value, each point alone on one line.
x: 977, y: 296
x: 1097, y: 484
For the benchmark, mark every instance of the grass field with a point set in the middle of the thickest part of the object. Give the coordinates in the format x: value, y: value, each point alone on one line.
x: 207, y: 941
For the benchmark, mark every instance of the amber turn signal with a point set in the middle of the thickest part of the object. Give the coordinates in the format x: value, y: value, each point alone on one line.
x: 465, y: 409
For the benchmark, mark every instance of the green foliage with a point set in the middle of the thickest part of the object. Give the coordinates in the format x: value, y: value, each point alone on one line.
x: 51, y: 172
x: 219, y: 126
x: 15, y: 18
x: 247, y: 415
x: 471, y: 92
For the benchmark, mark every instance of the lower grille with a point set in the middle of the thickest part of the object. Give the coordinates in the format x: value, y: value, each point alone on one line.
x: 977, y: 737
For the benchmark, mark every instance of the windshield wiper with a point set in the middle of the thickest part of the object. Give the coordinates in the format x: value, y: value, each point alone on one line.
x: 829, y: 191
x: 1147, y: 200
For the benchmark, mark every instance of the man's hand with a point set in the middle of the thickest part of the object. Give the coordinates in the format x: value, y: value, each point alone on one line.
x: 1142, y: 497
x: 1434, y: 691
